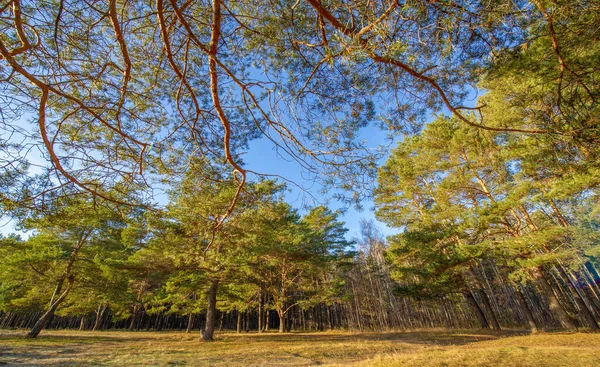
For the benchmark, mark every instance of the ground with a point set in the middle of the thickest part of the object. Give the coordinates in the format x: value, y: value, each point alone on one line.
x: 389, y: 349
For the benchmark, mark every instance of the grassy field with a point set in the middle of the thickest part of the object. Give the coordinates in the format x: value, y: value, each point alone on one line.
x: 389, y: 349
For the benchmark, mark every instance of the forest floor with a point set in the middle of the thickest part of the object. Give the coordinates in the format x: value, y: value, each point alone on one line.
x: 335, y: 348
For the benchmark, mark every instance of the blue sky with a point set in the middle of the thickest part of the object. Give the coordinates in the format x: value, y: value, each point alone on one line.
x: 261, y: 157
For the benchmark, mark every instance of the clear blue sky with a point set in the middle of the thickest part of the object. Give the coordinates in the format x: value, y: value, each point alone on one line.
x: 261, y: 157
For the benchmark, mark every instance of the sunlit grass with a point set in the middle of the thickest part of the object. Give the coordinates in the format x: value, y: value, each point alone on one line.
x: 417, y: 348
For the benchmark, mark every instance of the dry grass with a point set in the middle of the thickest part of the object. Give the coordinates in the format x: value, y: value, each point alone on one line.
x: 418, y: 348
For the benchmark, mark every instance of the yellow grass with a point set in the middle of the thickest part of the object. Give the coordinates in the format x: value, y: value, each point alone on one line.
x: 386, y: 349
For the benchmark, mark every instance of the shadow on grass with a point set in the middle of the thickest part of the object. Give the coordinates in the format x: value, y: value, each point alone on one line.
x: 50, y: 338
x: 411, y: 337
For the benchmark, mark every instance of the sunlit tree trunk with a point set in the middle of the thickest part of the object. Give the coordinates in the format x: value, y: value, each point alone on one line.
x: 41, y: 322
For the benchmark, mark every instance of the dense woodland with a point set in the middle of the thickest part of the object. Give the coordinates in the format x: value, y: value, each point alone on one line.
x: 492, y: 188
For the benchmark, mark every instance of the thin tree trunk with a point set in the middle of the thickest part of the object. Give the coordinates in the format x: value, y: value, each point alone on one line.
x: 486, y: 302
x: 583, y: 308
x: 238, y: 327
x: 221, y: 322
x: 133, y: 317
x: 190, y: 323
x: 99, y: 315
x: 267, y: 320
x: 526, y: 310
x: 557, y: 309
x: 211, y: 312
x: 476, y: 309
x: 260, y: 313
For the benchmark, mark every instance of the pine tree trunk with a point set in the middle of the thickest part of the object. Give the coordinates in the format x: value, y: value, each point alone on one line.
x: 260, y: 314
x: 41, y: 322
x: 281, y: 321
x: 477, y: 310
x: 221, y: 322
x: 99, y: 315
x: 211, y: 312
x: 555, y: 306
x: 238, y: 327
x: 594, y: 274
x: 247, y: 322
x: 55, y: 302
x: 526, y: 310
x: 492, y: 319
x: 190, y: 323
x: 267, y: 320
x: 133, y: 317
x: 583, y: 308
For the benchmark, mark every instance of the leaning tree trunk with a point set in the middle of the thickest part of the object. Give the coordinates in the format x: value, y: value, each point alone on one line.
x: 55, y: 302
x: 477, y: 309
x: 211, y: 313
x: 557, y: 309
x: 41, y: 322
x: 486, y: 302
x: 526, y: 310
x: 584, y: 311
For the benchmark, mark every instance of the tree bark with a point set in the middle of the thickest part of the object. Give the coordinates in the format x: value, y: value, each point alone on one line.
x: 260, y: 313
x: 476, y: 309
x: 55, y: 302
x: 238, y: 327
x: 133, y: 317
x: 584, y: 311
x: 190, y: 323
x: 526, y: 310
x: 99, y: 315
x: 221, y: 319
x: 557, y: 309
x: 41, y: 322
x: 211, y: 312
x: 267, y: 319
x: 492, y: 319
x: 281, y: 321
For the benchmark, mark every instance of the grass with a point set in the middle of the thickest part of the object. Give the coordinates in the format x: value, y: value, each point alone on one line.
x: 389, y: 349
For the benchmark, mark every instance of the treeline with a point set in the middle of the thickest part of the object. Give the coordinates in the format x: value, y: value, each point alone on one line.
x: 517, y: 207
x: 359, y: 293
x: 495, y: 230
x: 496, y: 208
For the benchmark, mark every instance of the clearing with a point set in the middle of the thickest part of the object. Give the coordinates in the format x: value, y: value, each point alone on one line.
x: 414, y: 348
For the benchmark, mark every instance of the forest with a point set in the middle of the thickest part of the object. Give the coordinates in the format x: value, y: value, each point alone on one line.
x: 129, y: 203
